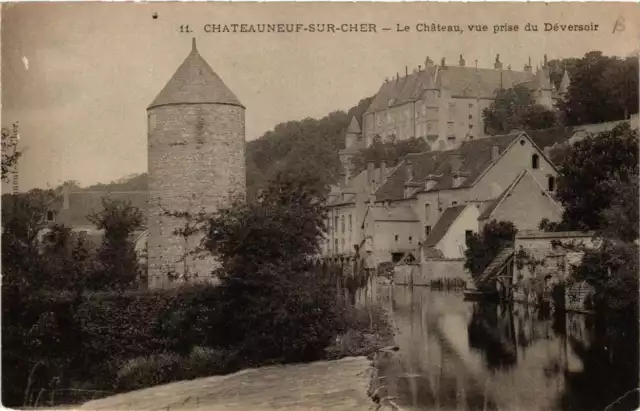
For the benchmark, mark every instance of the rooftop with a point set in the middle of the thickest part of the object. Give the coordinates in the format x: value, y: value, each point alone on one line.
x: 195, y: 82
x: 475, y: 157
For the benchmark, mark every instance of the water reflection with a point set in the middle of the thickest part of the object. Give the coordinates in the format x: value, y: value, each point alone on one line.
x: 477, y: 356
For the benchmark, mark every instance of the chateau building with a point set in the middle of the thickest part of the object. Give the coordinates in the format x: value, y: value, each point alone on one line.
x: 443, y: 104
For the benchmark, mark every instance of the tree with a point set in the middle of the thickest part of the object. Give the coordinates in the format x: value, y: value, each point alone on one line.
x: 299, y: 146
x: 620, y: 219
x: 591, y: 172
x: 10, y: 153
x: 285, y: 222
x: 390, y: 151
x: 116, y: 254
x: 515, y: 108
x: 24, y: 219
x: 602, y: 89
x: 483, y: 247
x: 274, y: 305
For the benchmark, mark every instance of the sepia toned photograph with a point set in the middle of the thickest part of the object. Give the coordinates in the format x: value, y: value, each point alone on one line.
x: 320, y: 206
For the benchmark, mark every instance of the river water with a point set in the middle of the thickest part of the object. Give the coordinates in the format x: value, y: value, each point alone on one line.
x: 455, y: 354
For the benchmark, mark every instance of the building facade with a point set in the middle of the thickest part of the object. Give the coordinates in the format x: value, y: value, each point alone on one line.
x: 443, y: 104
x: 431, y: 202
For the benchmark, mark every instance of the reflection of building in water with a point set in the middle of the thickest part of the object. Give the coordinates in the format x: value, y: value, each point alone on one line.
x: 454, y: 354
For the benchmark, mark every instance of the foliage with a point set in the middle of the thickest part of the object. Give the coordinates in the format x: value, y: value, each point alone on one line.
x: 515, y: 108
x: 296, y: 146
x: 602, y: 89
x: 592, y: 172
x: 117, y: 256
x: 10, y: 153
x: 612, y: 269
x: 483, y: 247
x: 284, y: 223
x: 621, y: 219
x: 135, y: 182
x: 390, y: 151
x: 277, y: 307
x: 162, y: 368
x: 24, y: 219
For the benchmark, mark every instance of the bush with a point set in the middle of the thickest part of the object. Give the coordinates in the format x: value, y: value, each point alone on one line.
x: 89, y: 337
x: 365, y: 331
x: 485, y: 246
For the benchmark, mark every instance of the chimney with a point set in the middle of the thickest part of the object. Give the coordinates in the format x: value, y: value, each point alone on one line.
x: 409, y: 167
x: 547, y: 151
x: 419, y: 67
x: 383, y: 170
x: 370, y: 176
x: 495, y: 152
x: 456, y: 162
x: 545, y: 61
x: 406, y: 70
x: 346, y: 178
x: 527, y: 67
x: 461, y: 61
x: 397, y: 76
x: 497, y: 65
x: 442, y: 63
x: 428, y: 63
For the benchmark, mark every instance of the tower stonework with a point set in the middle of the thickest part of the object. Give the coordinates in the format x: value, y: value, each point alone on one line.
x: 196, y: 154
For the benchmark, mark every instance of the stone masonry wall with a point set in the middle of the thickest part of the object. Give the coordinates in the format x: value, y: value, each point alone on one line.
x: 196, y: 161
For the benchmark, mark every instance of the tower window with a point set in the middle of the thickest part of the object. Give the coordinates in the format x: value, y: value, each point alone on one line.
x: 535, y: 161
x: 396, y: 238
x: 551, y: 181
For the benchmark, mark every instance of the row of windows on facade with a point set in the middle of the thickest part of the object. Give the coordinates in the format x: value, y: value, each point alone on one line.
x: 429, y: 113
x: 340, y: 222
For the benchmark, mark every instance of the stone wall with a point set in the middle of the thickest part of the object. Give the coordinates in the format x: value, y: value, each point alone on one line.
x: 540, y: 263
x: 196, y: 162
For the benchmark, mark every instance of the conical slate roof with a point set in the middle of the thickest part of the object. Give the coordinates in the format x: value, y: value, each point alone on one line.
x: 195, y: 82
x: 354, y: 127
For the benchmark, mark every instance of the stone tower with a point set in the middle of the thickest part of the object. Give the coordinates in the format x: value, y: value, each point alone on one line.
x: 196, y: 154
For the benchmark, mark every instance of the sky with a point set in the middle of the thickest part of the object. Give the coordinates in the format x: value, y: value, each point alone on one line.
x: 78, y: 77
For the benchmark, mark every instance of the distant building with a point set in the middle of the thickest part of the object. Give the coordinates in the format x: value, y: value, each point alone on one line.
x: 431, y: 202
x: 443, y: 104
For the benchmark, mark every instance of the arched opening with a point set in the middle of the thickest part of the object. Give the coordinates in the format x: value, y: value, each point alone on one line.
x: 551, y: 183
x: 535, y: 161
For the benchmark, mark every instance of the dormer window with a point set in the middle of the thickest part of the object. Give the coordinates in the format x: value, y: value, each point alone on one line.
x: 535, y: 161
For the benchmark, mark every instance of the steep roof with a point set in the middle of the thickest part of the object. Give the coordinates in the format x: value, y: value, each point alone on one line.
x: 475, y: 157
x: 354, y: 127
x: 459, y: 80
x: 443, y: 224
x: 489, y: 210
x: 486, y: 214
x: 195, y: 82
